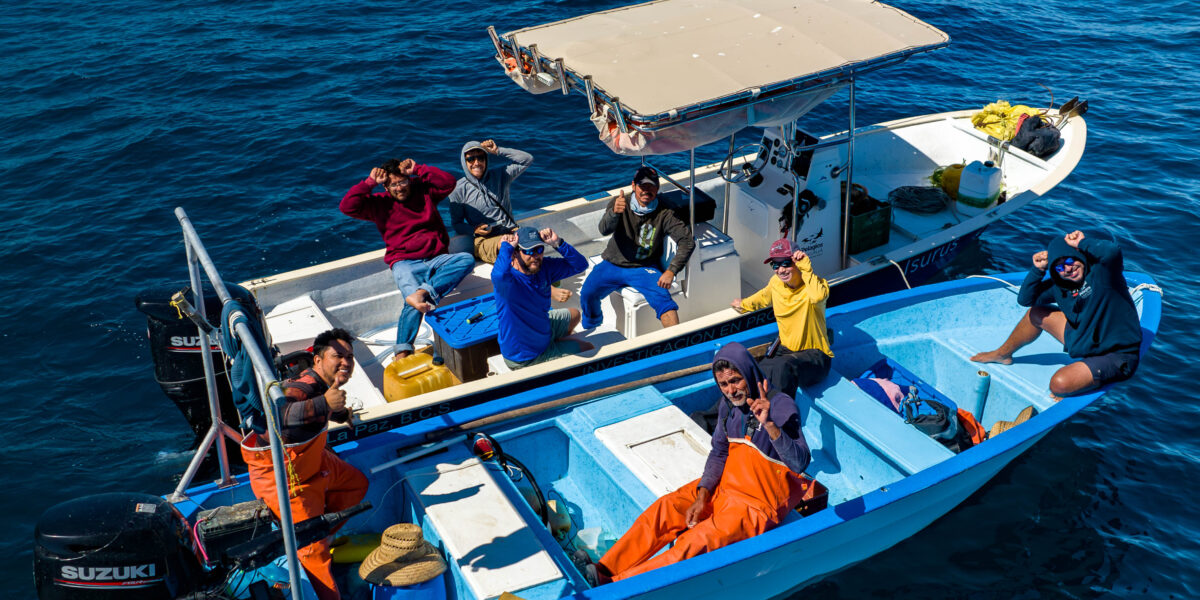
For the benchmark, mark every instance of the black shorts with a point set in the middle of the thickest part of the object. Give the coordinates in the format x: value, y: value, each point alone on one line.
x: 1112, y: 367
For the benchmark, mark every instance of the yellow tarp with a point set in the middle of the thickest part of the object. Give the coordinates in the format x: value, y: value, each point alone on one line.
x: 999, y: 119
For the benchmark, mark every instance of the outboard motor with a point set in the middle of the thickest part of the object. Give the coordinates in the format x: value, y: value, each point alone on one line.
x: 116, y: 546
x: 175, y: 346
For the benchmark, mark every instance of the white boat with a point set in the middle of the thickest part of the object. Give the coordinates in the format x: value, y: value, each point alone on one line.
x: 789, y: 175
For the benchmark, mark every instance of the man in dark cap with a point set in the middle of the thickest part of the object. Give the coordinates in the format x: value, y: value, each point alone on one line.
x: 750, y: 482
x: 1085, y: 304
x: 529, y: 331
x: 633, y: 253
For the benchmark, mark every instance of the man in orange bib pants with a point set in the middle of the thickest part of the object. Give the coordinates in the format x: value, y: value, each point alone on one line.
x: 318, y: 481
x: 750, y: 482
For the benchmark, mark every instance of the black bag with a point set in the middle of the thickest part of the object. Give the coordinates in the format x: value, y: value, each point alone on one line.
x: 1038, y: 137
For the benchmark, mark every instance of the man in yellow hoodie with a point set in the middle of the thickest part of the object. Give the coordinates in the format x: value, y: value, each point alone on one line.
x: 798, y: 297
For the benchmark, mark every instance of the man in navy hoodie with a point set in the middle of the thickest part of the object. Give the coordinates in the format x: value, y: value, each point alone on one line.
x: 1085, y: 304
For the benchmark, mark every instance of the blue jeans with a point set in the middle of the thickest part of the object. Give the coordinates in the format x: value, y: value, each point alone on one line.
x: 606, y: 278
x: 437, y: 275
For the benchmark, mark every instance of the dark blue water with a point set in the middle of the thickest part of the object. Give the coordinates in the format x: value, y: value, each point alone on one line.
x: 256, y: 117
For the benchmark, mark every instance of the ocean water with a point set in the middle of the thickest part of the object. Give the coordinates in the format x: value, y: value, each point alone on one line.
x: 256, y: 117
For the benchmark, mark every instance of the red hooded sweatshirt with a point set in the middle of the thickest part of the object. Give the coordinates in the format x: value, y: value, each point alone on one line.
x: 413, y: 228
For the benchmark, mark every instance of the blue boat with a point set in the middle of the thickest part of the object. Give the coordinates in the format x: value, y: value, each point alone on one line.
x: 604, y: 446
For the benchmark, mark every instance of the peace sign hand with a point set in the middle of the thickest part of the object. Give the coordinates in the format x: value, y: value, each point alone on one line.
x: 761, y: 406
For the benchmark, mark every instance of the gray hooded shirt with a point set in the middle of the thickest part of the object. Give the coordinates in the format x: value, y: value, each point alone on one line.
x: 478, y: 201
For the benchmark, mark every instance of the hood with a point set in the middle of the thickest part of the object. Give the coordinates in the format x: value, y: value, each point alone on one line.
x: 462, y: 160
x: 741, y: 360
x: 1058, y: 249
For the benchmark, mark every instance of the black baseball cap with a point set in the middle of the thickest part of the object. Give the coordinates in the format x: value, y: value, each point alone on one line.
x: 645, y: 175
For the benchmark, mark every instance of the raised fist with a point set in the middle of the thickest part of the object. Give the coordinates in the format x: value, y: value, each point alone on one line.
x: 1072, y: 239
x: 1040, y: 260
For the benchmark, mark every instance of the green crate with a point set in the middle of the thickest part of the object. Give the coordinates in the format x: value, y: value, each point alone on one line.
x: 871, y: 229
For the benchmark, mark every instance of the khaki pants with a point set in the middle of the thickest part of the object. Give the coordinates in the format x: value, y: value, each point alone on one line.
x: 486, y: 249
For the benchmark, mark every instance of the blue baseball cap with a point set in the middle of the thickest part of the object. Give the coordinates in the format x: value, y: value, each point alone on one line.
x: 528, y: 238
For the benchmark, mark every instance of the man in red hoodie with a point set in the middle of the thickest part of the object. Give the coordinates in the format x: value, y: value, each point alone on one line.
x: 407, y: 217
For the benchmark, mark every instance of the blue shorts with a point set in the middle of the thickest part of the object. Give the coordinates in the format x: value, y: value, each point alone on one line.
x: 1112, y: 367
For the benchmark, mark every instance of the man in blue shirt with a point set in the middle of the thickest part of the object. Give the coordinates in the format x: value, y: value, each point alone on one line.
x: 529, y: 332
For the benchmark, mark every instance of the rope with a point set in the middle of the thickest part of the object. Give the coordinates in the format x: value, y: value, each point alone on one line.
x: 1011, y: 285
x: 902, y: 275
x: 1146, y: 286
x: 177, y: 305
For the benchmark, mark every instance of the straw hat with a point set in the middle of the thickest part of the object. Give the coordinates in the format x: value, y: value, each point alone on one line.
x: 402, y: 558
x: 1001, y: 426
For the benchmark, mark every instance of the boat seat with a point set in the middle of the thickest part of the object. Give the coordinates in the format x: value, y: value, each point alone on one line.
x: 711, y: 267
x: 296, y: 323
x: 664, y: 448
x: 490, y: 546
x: 905, y: 446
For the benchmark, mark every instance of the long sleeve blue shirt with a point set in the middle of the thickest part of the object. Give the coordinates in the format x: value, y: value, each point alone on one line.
x: 523, y: 301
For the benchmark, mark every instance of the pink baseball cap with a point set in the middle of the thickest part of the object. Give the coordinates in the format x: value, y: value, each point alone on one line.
x: 780, y: 249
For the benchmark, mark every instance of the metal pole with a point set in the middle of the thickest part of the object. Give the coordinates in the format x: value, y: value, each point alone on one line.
x: 194, y: 465
x: 725, y: 212
x: 849, y: 183
x: 691, y: 207
x: 789, y: 137
x: 495, y: 40
x: 210, y: 377
x: 265, y: 372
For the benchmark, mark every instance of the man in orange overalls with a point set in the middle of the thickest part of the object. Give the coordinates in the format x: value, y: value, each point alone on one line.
x: 318, y: 481
x: 750, y: 482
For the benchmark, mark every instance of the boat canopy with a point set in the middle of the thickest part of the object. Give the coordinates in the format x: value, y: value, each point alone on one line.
x: 671, y: 75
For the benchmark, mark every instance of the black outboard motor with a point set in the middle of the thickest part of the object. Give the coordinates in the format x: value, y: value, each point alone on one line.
x: 117, y: 546
x: 175, y: 346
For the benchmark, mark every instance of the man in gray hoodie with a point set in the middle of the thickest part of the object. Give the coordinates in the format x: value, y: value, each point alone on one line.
x: 480, y: 205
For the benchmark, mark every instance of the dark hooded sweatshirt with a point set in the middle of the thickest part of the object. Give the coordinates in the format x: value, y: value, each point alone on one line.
x: 736, y: 421
x: 1101, y: 316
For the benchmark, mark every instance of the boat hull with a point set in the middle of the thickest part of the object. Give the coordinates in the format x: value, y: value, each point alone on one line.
x: 855, y: 532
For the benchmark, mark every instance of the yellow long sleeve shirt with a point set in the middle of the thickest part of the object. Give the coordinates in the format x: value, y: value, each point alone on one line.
x: 799, y: 312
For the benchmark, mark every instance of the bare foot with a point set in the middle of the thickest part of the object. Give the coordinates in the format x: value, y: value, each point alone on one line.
x: 420, y: 301
x: 403, y: 354
x: 560, y: 294
x: 995, y: 356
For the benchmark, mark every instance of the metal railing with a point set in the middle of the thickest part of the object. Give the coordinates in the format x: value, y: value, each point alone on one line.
x: 197, y: 257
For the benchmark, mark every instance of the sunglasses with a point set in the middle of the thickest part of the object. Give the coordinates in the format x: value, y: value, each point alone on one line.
x: 476, y: 158
x: 1066, y: 262
x: 535, y: 251
x: 780, y: 264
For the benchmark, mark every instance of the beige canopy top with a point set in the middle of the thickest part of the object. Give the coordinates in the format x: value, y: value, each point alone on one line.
x: 671, y: 60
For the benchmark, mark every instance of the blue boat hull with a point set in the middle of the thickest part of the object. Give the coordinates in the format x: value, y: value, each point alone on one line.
x: 912, y: 488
